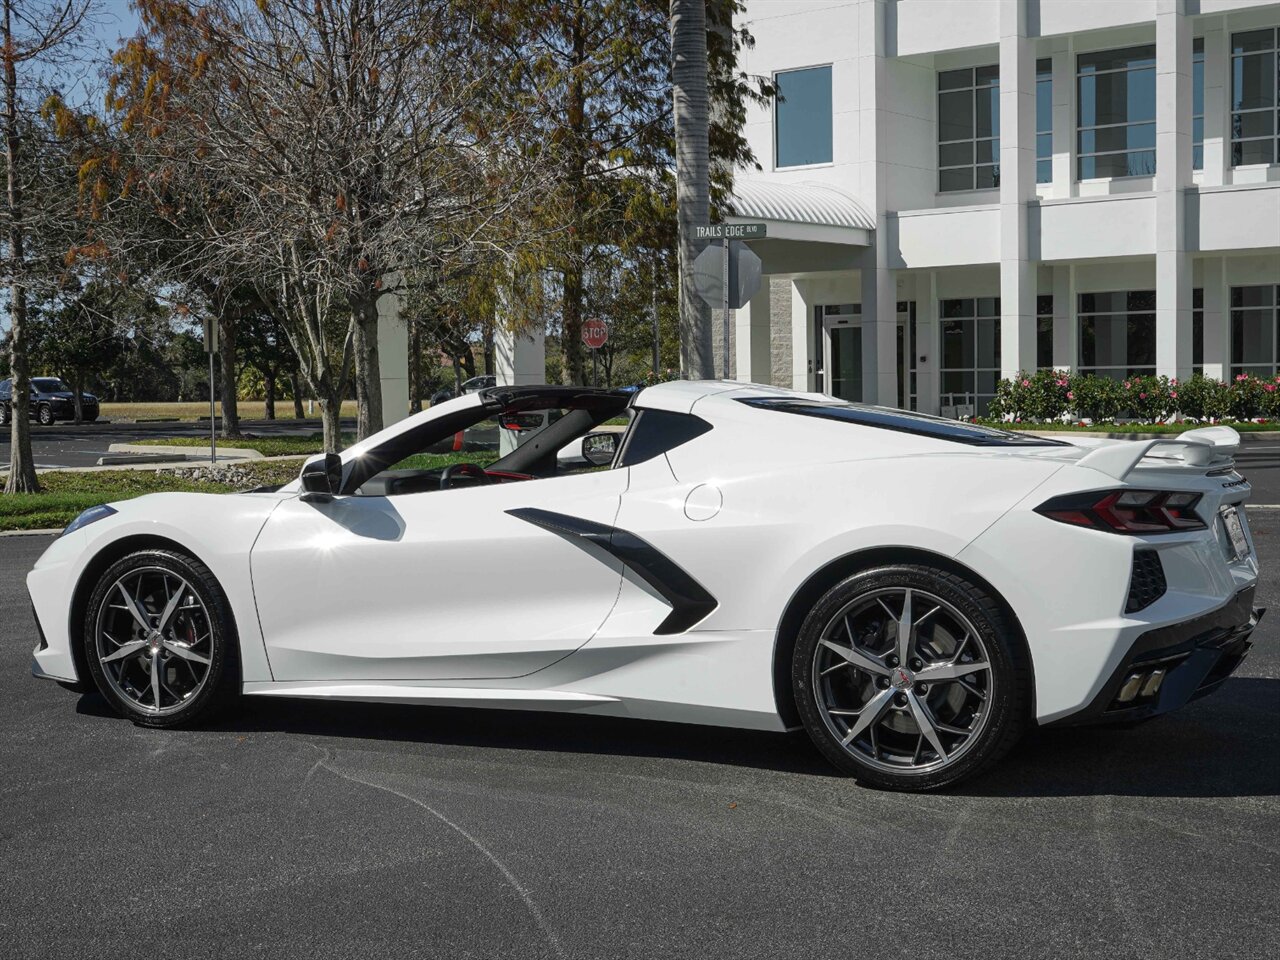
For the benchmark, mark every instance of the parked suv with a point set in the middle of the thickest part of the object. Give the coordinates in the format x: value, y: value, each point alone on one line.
x: 51, y: 400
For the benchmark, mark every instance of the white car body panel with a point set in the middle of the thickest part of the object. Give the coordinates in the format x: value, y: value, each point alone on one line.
x: 445, y: 597
x: 437, y: 577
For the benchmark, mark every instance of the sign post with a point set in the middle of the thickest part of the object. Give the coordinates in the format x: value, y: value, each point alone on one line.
x: 730, y: 299
x: 595, y: 334
x: 211, y: 348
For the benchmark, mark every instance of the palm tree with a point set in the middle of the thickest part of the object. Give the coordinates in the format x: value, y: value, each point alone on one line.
x: 693, y: 188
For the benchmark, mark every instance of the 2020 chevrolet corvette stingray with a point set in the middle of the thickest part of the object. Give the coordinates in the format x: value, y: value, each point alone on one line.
x: 914, y: 591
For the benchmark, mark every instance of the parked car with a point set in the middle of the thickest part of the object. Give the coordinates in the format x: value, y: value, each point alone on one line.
x: 914, y: 592
x: 50, y: 400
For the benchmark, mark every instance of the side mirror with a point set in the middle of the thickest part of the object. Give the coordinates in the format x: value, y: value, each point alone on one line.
x: 599, y: 449
x: 322, y: 478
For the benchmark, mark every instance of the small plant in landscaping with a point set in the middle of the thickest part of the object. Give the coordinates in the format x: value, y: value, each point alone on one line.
x: 1149, y: 398
x: 1096, y: 398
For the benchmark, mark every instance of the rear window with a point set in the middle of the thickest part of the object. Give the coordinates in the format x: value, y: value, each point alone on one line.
x: 902, y: 421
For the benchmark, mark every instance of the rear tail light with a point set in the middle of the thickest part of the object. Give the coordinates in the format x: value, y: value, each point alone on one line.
x: 1126, y: 511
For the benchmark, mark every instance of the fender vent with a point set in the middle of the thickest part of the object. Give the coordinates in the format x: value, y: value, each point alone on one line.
x: 1146, y: 582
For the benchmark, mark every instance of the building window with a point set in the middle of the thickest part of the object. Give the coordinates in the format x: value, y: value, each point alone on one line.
x: 1044, y: 333
x: 970, y: 351
x: 1044, y: 121
x: 1197, y: 330
x: 1255, y: 96
x: 1197, y: 103
x: 1118, y: 333
x: 1253, y: 330
x: 1116, y: 103
x: 802, y: 117
x: 969, y: 129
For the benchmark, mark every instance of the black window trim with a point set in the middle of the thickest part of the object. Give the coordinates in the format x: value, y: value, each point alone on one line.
x: 902, y: 421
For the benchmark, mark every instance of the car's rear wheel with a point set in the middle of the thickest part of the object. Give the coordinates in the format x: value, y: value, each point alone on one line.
x: 911, y: 678
x: 160, y: 640
x: 4, y: 414
x: 44, y: 414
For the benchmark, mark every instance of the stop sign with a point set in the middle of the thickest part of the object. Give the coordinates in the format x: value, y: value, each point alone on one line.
x: 595, y: 334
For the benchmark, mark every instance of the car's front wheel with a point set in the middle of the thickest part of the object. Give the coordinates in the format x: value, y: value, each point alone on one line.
x: 911, y: 678
x: 4, y: 414
x: 44, y: 414
x: 160, y: 640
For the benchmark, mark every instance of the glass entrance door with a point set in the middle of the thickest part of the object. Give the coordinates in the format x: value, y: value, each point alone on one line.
x: 843, y: 361
x: 842, y: 349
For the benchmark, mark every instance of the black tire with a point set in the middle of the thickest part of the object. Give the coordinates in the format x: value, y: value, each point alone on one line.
x: 44, y: 415
x: 998, y: 718
x: 4, y: 414
x: 221, y: 685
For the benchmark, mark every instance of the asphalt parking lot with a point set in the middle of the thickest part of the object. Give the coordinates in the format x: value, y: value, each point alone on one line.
x: 349, y: 830
x: 71, y: 445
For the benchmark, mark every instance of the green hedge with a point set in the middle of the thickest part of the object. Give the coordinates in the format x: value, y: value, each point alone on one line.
x: 1056, y: 395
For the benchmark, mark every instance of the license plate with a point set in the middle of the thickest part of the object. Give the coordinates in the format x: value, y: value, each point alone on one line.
x: 1235, y: 531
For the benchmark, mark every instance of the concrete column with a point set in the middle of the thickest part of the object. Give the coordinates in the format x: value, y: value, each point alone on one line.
x: 1217, y: 328
x: 1065, y: 332
x: 1017, y: 189
x: 879, y: 292
x: 393, y: 354
x: 928, y: 342
x: 1064, y: 124
x: 1217, y: 116
x: 802, y: 341
x: 1173, y: 176
x: 752, y: 337
x: 519, y: 359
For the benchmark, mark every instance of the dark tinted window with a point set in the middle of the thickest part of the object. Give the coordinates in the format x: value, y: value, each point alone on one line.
x: 657, y: 431
x: 904, y: 421
x: 48, y: 384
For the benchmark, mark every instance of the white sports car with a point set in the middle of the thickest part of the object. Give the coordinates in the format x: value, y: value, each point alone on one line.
x: 914, y: 591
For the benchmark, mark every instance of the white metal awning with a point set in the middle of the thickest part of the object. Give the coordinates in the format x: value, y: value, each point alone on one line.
x: 812, y: 212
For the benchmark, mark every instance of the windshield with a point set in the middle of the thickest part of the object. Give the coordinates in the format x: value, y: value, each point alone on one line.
x: 50, y: 385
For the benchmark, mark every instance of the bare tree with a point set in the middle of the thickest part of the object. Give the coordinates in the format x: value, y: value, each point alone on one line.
x: 320, y: 149
x: 37, y: 35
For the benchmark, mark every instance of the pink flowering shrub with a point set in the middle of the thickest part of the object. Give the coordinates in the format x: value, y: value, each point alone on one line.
x: 1203, y: 398
x: 1050, y: 395
x: 1032, y: 396
x: 1149, y: 398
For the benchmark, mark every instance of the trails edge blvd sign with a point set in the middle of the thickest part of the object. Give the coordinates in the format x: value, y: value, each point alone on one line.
x: 731, y: 231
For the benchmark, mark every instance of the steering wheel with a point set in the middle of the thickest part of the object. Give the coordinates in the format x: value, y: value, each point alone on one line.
x: 463, y: 470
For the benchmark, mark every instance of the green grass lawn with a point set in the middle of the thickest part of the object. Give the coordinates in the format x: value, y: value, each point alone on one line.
x: 194, y: 410
x: 66, y: 494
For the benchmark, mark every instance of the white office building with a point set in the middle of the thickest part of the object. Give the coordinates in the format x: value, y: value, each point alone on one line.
x: 956, y: 190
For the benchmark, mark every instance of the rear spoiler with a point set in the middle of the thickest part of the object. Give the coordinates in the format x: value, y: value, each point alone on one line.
x: 1204, y: 447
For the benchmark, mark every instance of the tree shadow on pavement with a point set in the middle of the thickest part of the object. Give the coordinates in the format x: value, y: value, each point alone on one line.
x: 1223, y: 746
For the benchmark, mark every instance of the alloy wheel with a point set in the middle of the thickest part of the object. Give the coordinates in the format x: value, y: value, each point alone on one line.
x: 154, y: 640
x: 903, y: 680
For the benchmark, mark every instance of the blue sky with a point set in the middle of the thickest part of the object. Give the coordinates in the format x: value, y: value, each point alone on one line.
x: 115, y: 20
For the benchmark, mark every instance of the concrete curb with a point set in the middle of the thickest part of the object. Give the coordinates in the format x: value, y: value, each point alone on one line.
x: 30, y: 533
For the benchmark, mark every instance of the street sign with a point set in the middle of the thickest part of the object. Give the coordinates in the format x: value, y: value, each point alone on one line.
x: 731, y: 231
x: 744, y: 275
x: 595, y: 333
x: 210, y: 335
